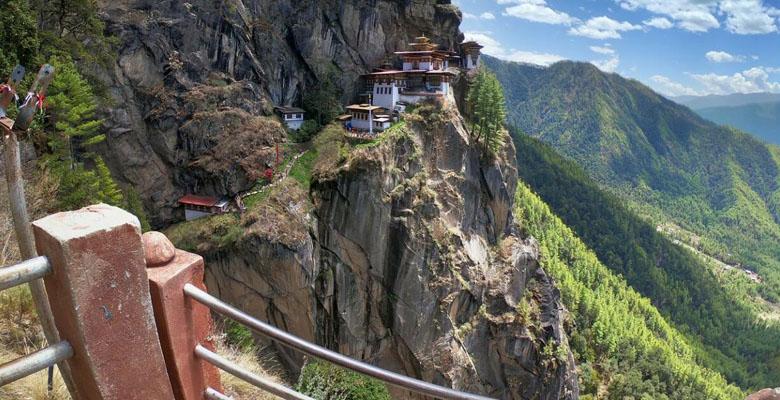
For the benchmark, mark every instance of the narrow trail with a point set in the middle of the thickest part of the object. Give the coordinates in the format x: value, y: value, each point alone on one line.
x: 281, y: 177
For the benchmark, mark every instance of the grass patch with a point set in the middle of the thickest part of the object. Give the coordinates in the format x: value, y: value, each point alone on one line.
x: 301, y: 170
x: 253, y: 200
x: 214, y: 231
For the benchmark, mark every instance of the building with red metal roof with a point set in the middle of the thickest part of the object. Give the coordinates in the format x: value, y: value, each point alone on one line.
x: 200, y: 206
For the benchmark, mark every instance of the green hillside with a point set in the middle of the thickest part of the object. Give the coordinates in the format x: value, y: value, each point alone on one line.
x: 622, y: 344
x: 760, y: 119
x: 717, y: 186
x: 723, y: 330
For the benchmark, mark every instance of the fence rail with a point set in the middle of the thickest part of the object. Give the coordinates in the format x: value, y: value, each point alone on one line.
x: 241, y: 373
x: 34, y: 362
x: 322, y: 353
x: 19, y: 274
x: 24, y: 272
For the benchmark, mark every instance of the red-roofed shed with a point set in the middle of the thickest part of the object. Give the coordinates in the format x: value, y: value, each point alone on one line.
x: 200, y: 206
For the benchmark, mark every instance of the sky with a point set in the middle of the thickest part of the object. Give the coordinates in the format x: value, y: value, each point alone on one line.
x: 677, y: 47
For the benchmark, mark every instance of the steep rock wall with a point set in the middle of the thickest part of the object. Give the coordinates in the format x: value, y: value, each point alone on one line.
x: 236, y: 55
x: 411, y: 260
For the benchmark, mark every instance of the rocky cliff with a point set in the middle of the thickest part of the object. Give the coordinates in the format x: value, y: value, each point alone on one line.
x: 405, y: 254
x: 191, y: 72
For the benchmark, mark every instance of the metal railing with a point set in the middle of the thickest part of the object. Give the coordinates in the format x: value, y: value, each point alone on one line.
x: 15, y: 275
x: 241, y: 373
x: 310, y: 349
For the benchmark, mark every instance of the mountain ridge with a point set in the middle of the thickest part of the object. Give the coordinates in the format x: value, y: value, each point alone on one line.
x: 667, y: 164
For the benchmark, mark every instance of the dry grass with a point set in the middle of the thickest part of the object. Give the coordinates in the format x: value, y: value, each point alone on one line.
x: 33, y: 387
x: 239, y: 389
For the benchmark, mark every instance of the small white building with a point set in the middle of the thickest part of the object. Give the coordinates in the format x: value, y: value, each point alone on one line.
x: 360, y: 117
x: 200, y: 206
x: 292, y: 116
x: 471, y: 51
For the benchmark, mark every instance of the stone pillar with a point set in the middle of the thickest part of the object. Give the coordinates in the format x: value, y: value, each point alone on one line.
x: 183, y: 322
x: 99, y: 294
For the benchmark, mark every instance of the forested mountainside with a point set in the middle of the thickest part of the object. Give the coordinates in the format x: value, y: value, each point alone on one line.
x: 623, y: 345
x: 760, y: 119
x: 721, y: 329
x: 713, y: 188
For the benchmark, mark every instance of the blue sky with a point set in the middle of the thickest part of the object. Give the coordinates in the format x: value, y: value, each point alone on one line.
x: 677, y: 47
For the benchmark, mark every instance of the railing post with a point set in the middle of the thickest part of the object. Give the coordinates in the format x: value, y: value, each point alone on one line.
x: 99, y: 293
x: 183, y: 323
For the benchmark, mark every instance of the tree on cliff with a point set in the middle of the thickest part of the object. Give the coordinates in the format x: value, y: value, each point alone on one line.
x: 18, y: 37
x: 71, y: 118
x: 73, y: 28
x: 322, y: 101
x: 488, y: 110
x: 71, y: 127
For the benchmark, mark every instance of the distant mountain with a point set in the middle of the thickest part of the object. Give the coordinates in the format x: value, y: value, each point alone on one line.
x: 731, y: 100
x: 665, y: 162
x: 760, y: 119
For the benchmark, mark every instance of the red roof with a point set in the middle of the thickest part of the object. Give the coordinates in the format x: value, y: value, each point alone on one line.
x: 194, y: 200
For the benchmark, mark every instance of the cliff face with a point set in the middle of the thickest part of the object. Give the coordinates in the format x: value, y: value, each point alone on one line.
x: 403, y: 253
x: 410, y: 259
x: 202, y: 62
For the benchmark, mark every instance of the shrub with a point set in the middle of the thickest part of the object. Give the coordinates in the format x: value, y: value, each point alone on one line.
x: 307, y: 131
x: 238, y: 335
x: 325, y: 381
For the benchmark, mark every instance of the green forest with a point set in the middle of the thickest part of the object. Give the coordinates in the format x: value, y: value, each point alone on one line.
x: 621, y: 342
x: 722, y: 331
x: 718, y: 184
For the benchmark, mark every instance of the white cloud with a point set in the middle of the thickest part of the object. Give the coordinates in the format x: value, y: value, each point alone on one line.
x: 603, y: 28
x: 494, y: 48
x: 533, y: 58
x: 753, y: 80
x: 669, y: 87
x: 722, y: 56
x: 659, y: 23
x: 609, y: 65
x: 741, y: 16
x: 602, y: 50
x: 755, y: 58
x: 691, y: 15
x: 484, y: 15
x: 747, y: 17
x: 537, y: 11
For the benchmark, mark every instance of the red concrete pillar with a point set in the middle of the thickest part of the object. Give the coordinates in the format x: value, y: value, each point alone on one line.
x: 99, y: 294
x: 183, y: 322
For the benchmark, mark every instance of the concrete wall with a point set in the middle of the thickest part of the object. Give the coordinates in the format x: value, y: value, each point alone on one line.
x: 385, y: 100
x: 294, y: 124
x: 189, y: 215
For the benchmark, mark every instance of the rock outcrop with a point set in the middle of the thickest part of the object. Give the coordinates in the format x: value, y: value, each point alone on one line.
x: 408, y: 257
x: 215, y: 67
x: 766, y: 394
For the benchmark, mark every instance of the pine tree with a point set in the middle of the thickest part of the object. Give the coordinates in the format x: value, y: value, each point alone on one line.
x: 72, y: 128
x: 322, y: 102
x: 71, y: 117
x: 488, y: 110
x: 136, y: 207
x: 107, y: 190
x: 18, y: 37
